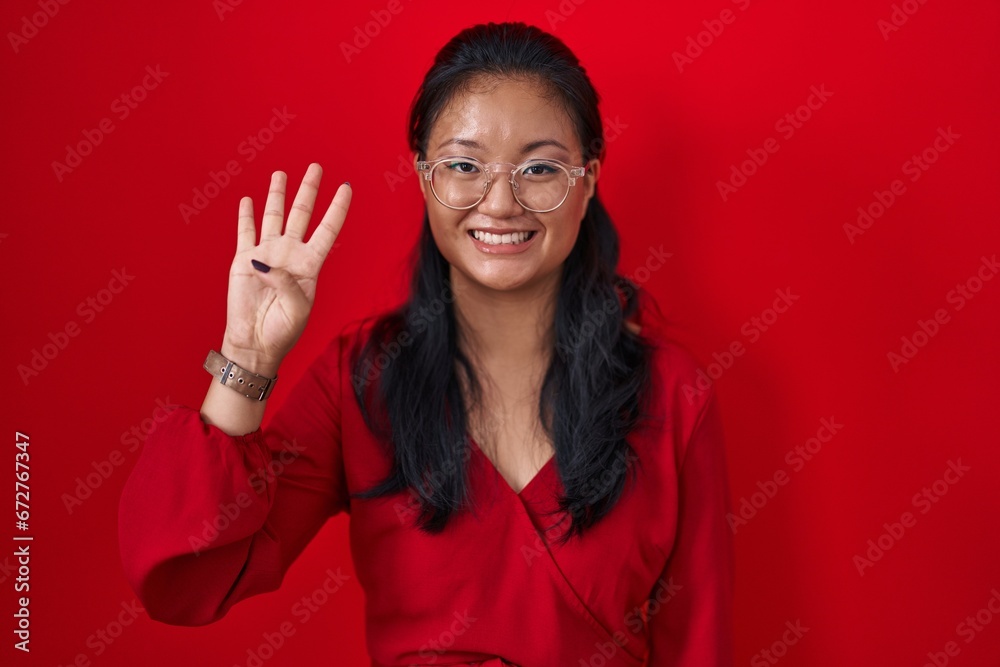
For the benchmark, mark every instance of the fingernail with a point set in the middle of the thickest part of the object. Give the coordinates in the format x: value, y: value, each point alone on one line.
x: 347, y: 182
x: 260, y: 266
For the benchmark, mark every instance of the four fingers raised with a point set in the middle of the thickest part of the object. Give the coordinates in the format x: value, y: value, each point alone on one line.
x: 325, y: 234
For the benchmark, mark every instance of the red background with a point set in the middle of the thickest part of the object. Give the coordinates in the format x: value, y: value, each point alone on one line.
x: 679, y: 133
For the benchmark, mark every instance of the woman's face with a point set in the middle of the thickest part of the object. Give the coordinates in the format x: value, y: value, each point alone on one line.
x: 506, y: 121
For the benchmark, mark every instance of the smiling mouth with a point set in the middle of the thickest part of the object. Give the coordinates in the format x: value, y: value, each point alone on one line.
x: 514, y: 238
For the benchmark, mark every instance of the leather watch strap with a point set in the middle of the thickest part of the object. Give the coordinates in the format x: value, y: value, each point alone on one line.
x: 245, y: 382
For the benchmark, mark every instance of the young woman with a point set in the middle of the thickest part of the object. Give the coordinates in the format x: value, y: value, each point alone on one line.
x: 522, y: 469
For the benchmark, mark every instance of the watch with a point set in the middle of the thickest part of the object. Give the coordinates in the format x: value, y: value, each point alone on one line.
x: 245, y: 382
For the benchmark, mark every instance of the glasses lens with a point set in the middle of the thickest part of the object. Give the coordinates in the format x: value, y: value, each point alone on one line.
x: 541, y: 185
x: 459, y: 182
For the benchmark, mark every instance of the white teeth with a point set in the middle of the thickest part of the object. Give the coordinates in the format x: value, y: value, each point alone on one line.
x: 497, y: 239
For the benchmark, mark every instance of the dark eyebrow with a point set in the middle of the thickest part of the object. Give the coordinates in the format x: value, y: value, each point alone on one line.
x: 534, y: 145
x: 468, y: 143
x: 527, y: 148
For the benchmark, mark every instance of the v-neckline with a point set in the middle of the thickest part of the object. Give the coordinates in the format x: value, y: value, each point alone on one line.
x: 541, y: 471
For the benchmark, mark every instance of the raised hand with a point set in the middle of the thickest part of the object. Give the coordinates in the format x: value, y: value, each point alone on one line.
x: 268, y: 310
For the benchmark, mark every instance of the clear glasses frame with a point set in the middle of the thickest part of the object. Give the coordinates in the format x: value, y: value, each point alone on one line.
x: 427, y: 167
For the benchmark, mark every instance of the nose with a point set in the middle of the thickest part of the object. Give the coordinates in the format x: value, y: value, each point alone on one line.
x: 499, y: 201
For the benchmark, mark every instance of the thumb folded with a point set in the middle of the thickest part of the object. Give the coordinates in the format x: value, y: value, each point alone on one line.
x: 272, y: 276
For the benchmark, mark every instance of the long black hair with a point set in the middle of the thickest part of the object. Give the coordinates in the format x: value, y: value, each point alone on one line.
x: 409, y: 373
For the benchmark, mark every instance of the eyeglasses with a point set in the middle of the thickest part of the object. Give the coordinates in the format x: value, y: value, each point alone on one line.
x: 539, y: 185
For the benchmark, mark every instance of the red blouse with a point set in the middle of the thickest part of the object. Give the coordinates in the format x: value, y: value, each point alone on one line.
x: 650, y: 584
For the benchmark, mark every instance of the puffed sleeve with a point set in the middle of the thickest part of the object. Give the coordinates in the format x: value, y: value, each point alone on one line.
x: 207, y: 519
x: 694, y: 627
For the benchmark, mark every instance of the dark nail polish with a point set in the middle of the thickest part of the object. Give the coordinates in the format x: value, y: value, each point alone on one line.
x: 260, y: 266
x: 347, y: 182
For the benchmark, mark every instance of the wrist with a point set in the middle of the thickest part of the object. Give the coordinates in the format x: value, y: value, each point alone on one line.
x: 251, y: 360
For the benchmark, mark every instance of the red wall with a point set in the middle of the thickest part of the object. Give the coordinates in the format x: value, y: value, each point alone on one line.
x: 890, y: 95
